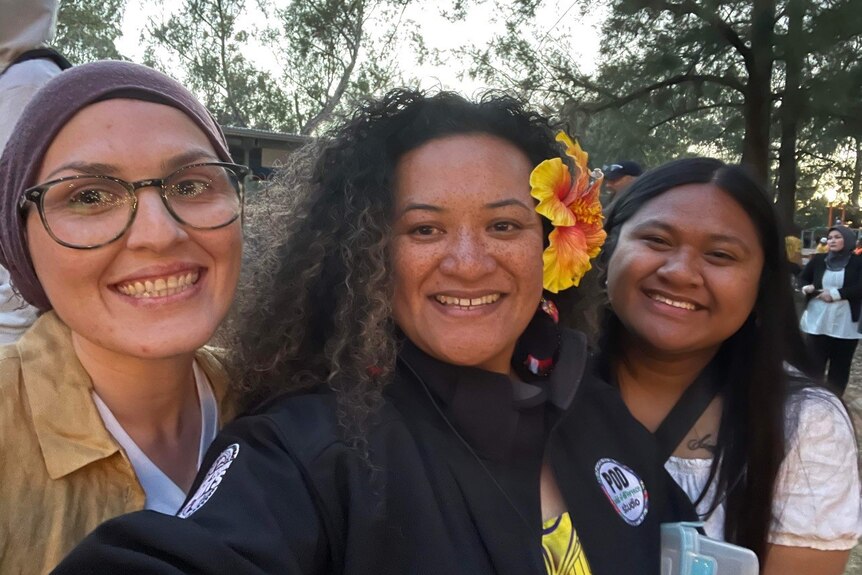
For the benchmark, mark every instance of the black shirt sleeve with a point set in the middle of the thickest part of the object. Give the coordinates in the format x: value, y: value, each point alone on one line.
x: 260, y: 516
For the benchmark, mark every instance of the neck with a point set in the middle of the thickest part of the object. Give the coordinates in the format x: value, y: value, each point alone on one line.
x: 149, y: 397
x: 651, y: 382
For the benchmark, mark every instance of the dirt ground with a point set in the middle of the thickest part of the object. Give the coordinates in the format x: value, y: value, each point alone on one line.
x: 853, y: 398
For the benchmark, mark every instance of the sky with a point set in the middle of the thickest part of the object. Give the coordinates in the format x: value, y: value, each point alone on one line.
x: 479, y: 26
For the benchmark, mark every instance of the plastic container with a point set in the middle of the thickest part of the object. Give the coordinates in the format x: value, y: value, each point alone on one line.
x: 684, y: 551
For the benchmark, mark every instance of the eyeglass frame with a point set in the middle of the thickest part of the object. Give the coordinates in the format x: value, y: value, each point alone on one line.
x: 36, y: 195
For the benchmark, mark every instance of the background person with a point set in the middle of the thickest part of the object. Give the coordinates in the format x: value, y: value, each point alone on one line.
x: 26, y: 64
x: 832, y: 283
x: 620, y: 175
x: 822, y: 246
x: 699, y: 330
x: 107, y: 403
x: 418, y: 389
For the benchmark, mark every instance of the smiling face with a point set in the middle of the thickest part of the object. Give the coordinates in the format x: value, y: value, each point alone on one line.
x: 162, y: 288
x: 835, y: 241
x: 466, y: 249
x: 685, y: 271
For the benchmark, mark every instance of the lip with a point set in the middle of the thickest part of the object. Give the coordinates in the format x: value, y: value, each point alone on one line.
x: 649, y: 293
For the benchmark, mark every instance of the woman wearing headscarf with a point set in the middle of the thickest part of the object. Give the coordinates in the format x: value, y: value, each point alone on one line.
x: 418, y: 389
x: 120, y: 223
x: 832, y: 282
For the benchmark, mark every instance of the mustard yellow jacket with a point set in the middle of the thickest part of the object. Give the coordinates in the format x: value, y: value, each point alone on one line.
x: 61, y: 471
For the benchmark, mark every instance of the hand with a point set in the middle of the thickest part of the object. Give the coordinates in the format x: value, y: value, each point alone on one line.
x: 808, y: 289
x: 825, y: 296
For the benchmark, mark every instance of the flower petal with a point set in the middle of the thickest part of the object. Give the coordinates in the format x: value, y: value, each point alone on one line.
x: 550, y: 181
x: 567, y: 258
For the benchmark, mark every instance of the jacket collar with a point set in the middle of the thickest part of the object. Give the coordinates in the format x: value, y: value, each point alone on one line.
x: 502, y: 419
x: 67, y: 424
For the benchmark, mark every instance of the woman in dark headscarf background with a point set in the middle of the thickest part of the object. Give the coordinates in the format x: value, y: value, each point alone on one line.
x: 832, y: 282
x: 121, y: 224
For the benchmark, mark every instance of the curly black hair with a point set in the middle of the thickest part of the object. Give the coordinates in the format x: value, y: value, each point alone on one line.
x: 317, y: 313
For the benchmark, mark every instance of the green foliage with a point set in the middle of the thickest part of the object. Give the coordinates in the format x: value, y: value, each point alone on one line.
x: 87, y: 29
x: 678, y: 77
x: 326, y: 58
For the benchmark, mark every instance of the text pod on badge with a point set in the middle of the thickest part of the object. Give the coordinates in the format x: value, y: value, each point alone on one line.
x: 624, y: 489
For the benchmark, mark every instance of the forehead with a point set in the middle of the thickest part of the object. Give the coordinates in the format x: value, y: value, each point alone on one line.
x: 462, y: 168
x: 124, y: 131
x: 698, y: 208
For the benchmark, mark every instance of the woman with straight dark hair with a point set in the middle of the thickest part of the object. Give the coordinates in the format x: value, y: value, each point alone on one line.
x: 701, y: 343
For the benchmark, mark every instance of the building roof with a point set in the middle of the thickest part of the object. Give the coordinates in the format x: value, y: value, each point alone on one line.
x: 265, y: 135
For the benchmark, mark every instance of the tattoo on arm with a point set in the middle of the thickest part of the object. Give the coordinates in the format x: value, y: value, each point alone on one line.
x: 704, y: 442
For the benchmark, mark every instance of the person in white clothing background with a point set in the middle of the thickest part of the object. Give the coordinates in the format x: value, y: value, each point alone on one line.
x: 26, y: 28
x: 832, y: 282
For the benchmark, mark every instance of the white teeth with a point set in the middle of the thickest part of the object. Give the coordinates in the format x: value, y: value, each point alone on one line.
x: 672, y: 303
x: 160, y: 287
x: 467, y: 303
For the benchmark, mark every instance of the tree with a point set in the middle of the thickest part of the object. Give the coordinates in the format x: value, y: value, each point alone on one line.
x: 324, y: 53
x: 703, y: 75
x: 87, y: 29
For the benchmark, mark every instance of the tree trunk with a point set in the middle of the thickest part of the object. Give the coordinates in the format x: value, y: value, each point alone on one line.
x: 758, y: 92
x: 792, y: 105
x: 857, y: 173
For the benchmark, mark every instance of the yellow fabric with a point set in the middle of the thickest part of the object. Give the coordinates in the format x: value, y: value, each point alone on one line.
x: 62, y: 473
x: 821, y: 249
x: 793, y: 246
x: 562, y: 549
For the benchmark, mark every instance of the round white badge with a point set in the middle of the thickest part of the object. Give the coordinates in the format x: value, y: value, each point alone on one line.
x: 211, y: 482
x: 624, y: 489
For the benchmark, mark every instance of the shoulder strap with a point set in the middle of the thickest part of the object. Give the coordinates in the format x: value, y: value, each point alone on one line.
x: 687, y: 411
x: 41, y: 54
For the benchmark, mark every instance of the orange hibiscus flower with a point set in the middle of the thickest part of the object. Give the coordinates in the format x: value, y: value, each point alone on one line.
x: 572, y: 205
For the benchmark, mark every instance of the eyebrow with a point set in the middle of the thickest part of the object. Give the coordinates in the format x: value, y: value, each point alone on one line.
x: 492, y: 206
x: 169, y: 164
x: 655, y: 223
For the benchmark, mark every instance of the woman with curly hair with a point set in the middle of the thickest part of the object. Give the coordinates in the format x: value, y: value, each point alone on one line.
x: 413, y: 388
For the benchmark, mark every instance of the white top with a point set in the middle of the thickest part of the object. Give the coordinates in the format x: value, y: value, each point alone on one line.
x: 832, y: 319
x: 15, y: 315
x: 162, y: 494
x: 817, y: 500
x: 17, y: 86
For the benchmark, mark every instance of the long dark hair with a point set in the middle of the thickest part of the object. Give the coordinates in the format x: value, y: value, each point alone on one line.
x: 316, y: 311
x: 751, y: 438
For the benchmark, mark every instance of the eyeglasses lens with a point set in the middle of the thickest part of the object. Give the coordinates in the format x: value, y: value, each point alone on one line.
x: 87, y: 211
x: 204, y: 196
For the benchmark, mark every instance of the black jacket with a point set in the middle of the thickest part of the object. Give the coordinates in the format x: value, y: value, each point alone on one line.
x: 443, y: 497
x: 852, y: 288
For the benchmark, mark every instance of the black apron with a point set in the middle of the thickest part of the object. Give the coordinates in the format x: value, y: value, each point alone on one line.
x: 619, y: 493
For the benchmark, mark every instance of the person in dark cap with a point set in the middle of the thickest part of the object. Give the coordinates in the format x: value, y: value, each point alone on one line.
x: 620, y: 175
x: 120, y: 222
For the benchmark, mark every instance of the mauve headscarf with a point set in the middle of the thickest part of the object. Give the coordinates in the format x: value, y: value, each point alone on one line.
x: 49, y: 110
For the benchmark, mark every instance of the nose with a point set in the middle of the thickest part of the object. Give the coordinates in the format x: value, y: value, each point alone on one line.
x: 154, y: 228
x: 467, y: 257
x: 682, y: 267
